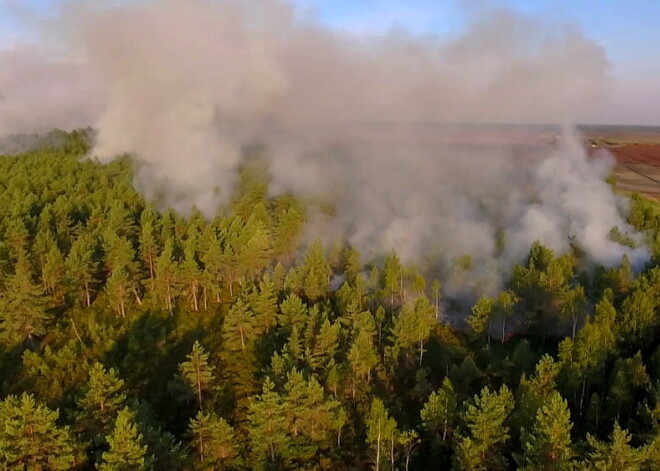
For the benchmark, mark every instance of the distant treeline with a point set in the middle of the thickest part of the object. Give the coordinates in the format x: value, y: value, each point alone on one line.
x: 13, y: 144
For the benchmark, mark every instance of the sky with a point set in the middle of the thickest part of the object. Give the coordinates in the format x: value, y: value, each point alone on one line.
x: 627, y: 29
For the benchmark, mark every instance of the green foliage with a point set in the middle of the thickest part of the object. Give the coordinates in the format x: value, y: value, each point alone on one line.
x: 363, y: 358
x: 381, y: 430
x: 240, y: 326
x: 315, y: 272
x: 126, y: 450
x: 213, y: 442
x: 478, y: 320
x: 440, y: 412
x: 316, y: 357
x: 616, y: 455
x: 102, y: 398
x: 267, y: 426
x: 197, y: 372
x: 23, y: 314
x: 486, y: 420
x: 31, y: 438
x: 412, y: 327
x: 548, y: 445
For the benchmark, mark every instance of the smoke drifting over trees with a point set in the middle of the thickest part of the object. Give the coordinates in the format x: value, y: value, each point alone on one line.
x: 425, y: 330
x: 186, y: 87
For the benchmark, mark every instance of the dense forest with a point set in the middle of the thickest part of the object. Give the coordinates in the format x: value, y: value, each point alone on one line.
x: 133, y: 338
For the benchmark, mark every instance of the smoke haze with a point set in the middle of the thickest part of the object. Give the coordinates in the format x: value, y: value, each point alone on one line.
x: 186, y: 86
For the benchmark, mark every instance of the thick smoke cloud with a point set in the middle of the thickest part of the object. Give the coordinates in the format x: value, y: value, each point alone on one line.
x: 38, y: 92
x: 371, y: 122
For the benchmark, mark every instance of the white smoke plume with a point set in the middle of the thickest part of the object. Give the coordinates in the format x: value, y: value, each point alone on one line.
x: 38, y: 92
x: 373, y: 122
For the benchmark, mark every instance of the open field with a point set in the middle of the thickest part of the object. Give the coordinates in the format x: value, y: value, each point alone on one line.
x: 637, y: 152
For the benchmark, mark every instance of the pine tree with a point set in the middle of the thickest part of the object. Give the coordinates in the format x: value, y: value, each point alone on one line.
x: 293, y: 312
x: 533, y: 391
x: 310, y: 417
x: 213, y: 441
x: 126, y: 449
x: 486, y: 421
x: 479, y: 320
x: 80, y: 268
x: 439, y: 414
x: 53, y: 372
x: 616, y: 455
x: 53, y: 274
x: 118, y: 288
x: 287, y: 231
x: 316, y: 269
x: 190, y: 278
x: 294, y: 346
x: 435, y: 288
x: 352, y: 265
x: 30, y: 438
x: 267, y: 425
x: 44, y: 240
x: 265, y: 304
x: 119, y: 253
x: 325, y: 345
x: 212, y: 259
x: 363, y: 358
x: 573, y: 304
x: 409, y: 440
x: 545, y: 374
x: 23, y: 312
x: 16, y: 238
x: 103, y: 396
x: 119, y: 219
x: 637, y: 315
x: 628, y: 377
x: 548, y: 445
x: 593, y: 343
x: 166, y: 271
x: 240, y: 326
x: 122, y: 282
x: 196, y: 372
x: 167, y: 224
x: 335, y: 377
x: 339, y: 422
x: 392, y: 280
x: 380, y: 428
x: 412, y: 327
x: 253, y: 249
x: 148, y: 243
x: 506, y: 303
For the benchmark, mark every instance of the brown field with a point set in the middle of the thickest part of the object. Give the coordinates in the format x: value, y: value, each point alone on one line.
x: 638, y: 160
